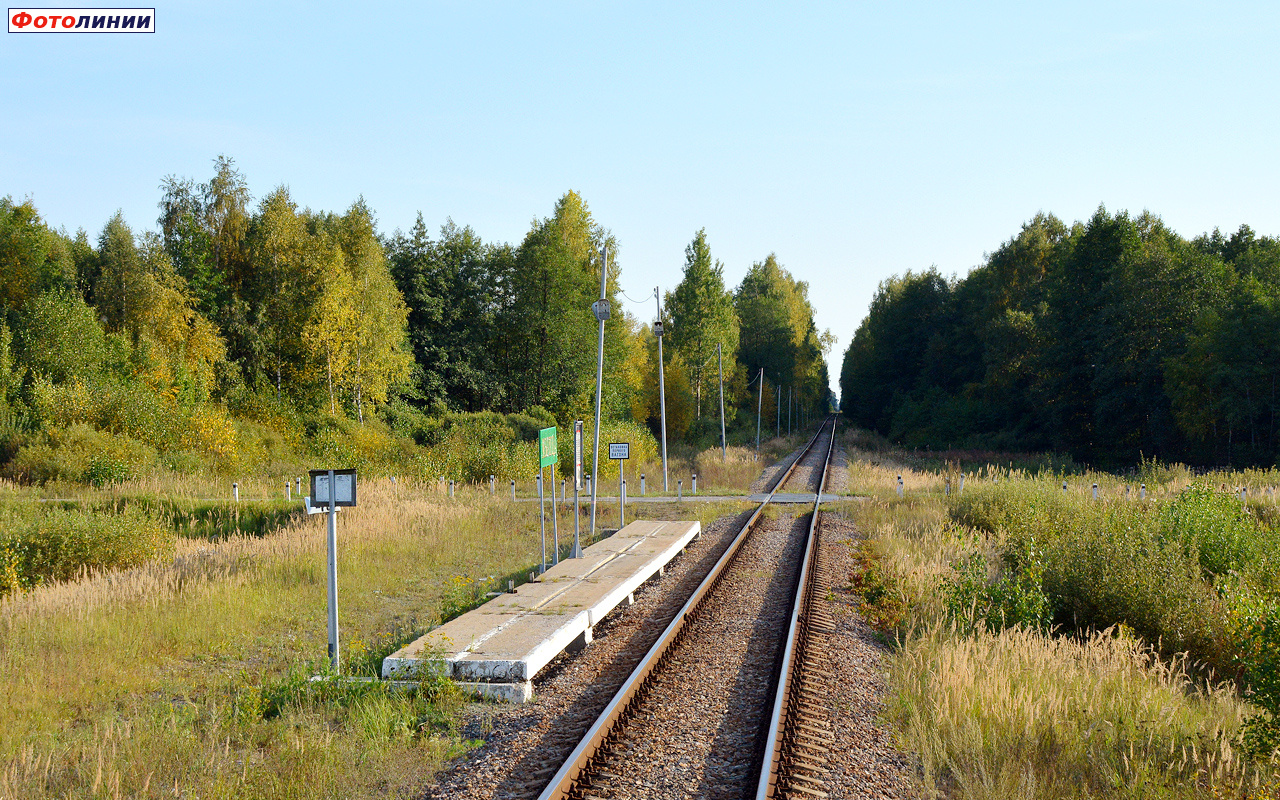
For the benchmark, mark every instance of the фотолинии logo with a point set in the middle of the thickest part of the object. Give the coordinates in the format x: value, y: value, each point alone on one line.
x: 82, y: 20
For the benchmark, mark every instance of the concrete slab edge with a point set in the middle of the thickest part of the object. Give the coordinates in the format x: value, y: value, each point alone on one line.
x: 500, y: 692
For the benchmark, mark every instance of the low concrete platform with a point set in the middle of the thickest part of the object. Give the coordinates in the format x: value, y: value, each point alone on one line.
x: 509, y: 639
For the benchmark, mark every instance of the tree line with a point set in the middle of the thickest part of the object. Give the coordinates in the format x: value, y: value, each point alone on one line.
x: 1112, y: 340
x: 270, y: 307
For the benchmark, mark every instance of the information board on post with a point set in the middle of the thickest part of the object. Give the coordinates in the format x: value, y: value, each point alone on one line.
x: 344, y: 487
x: 331, y: 488
x: 619, y: 451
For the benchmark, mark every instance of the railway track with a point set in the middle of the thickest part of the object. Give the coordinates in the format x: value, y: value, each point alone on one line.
x: 718, y: 704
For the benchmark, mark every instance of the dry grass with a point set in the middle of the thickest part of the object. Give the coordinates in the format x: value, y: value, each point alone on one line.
x: 150, y: 682
x: 1016, y: 714
x: 729, y: 473
x: 913, y: 542
x: 133, y: 683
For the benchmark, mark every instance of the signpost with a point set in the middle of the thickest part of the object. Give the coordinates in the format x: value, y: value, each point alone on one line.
x: 548, y: 456
x: 331, y: 488
x: 577, y: 480
x: 621, y: 451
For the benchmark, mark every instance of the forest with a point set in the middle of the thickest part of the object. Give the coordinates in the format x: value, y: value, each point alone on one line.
x: 248, y: 336
x: 1111, y: 341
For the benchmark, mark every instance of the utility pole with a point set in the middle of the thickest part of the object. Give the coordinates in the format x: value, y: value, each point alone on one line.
x: 601, y: 309
x: 662, y: 389
x: 777, y: 417
x: 759, y: 400
x: 788, y: 410
x: 724, y: 445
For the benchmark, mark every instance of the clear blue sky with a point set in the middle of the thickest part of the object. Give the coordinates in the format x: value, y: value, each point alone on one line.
x: 855, y: 140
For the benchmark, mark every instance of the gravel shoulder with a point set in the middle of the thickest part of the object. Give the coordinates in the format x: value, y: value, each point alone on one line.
x: 863, y: 762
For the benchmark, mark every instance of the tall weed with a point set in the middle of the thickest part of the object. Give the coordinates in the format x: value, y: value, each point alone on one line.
x: 1017, y: 714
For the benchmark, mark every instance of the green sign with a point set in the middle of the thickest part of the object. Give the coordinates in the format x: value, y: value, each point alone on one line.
x: 548, y: 453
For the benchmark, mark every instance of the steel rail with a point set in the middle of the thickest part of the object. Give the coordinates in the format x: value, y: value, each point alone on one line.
x: 775, y: 743
x: 564, y: 782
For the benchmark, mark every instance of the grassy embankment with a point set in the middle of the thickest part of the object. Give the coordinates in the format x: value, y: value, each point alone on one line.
x: 1049, y: 645
x: 164, y: 647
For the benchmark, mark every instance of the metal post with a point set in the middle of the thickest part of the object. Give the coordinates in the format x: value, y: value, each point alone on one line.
x: 642, y: 484
x: 297, y: 488
x: 542, y: 520
x: 759, y: 400
x: 724, y: 445
x: 555, y: 517
x: 288, y: 490
x: 680, y: 489
x: 622, y: 518
x: 492, y: 483
x: 513, y: 489
x: 333, y: 575
x: 662, y: 390
x: 576, y: 507
x: 235, y: 491
x: 695, y: 483
x: 451, y: 483
x: 601, y: 314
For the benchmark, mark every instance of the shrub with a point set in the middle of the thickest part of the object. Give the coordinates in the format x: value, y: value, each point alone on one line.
x: 883, y: 598
x: 1216, y: 527
x: 80, y: 453
x: 1014, y: 597
x: 59, y: 544
x: 1108, y: 562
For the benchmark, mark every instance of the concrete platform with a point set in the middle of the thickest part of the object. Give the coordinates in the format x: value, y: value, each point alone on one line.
x: 513, y: 636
